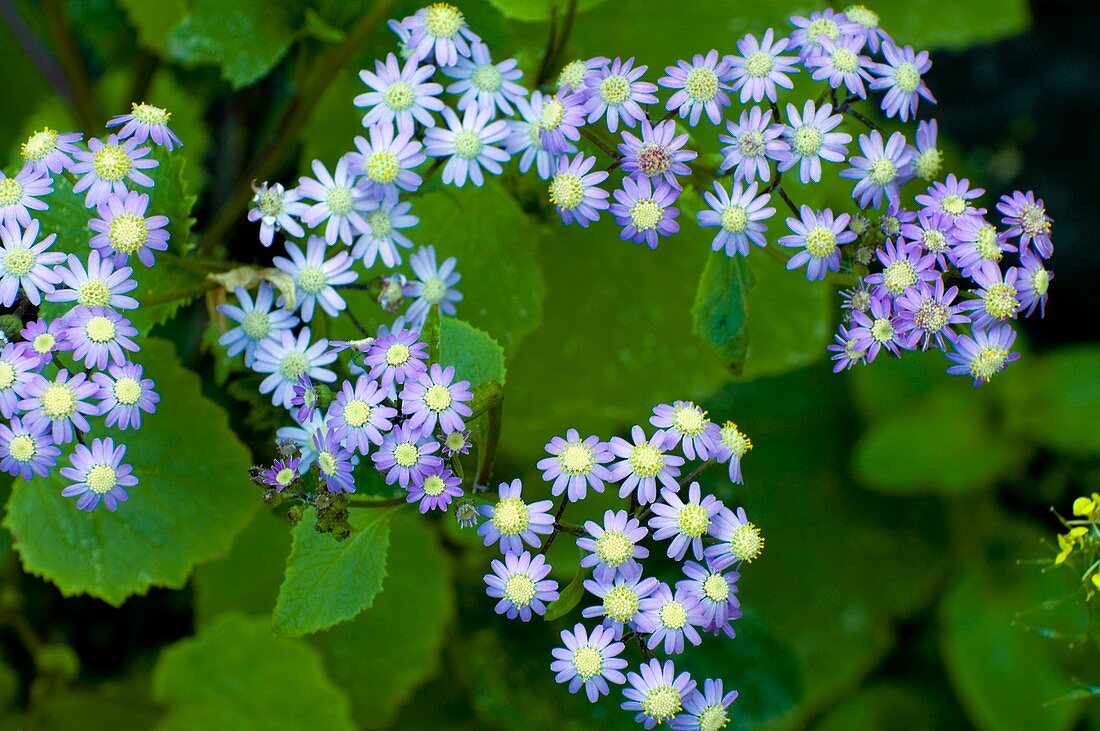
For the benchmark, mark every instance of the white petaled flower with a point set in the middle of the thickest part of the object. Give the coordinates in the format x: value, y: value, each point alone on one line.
x: 382, y: 235
x: 469, y: 143
x: 287, y: 358
x: 402, y: 95
x: 100, y: 285
x: 22, y: 192
x: 48, y: 150
x: 277, y: 209
x: 387, y: 160
x: 490, y: 85
x: 523, y: 137
x: 315, y: 278
x: 106, y: 166
x: 434, y: 286
x: 439, y: 32
x: 257, y: 321
x: 338, y: 200
x: 26, y: 264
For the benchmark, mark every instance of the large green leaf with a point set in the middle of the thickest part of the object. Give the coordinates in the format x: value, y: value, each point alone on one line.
x: 537, y: 10
x: 475, y: 355
x: 329, y: 581
x: 235, y: 674
x: 719, y: 313
x: 154, y: 21
x: 193, y: 499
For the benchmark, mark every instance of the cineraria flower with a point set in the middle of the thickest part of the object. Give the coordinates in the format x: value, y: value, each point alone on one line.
x: 812, y: 140
x: 257, y: 321
x: 124, y: 394
x: 657, y: 693
x: 903, y: 265
x: 316, y: 279
x: 521, y: 585
x: 26, y: 264
x: 454, y: 443
x: 338, y: 199
x: 572, y: 74
x: 931, y: 232
x: 276, y: 209
x: 881, y: 170
x: 1032, y: 282
x: 382, y: 234
x: 469, y: 143
x: 407, y: 456
x: 589, y: 659
x: 643, y: 463
x: 877, y: 329
x: 841, y: 64
x: 739, y: 216
x: 17, y: 369
x: 760, y: 68
x: 58, y: 405
x: 574, y: 190
x: 927, y: 160
x: 560, y: 121
x: 751, y: 142
x: 491, y: 86
x: 400, y: 95
x: 333, y: 461
x: 613, y: 548
x: 1027, y: 218
x: 739, y: 540
x: 436, y: 491
x: 513, y: 522
x: 977, y: 243
x: 952, y: 197
x: 359, y: 415
x: 996, y: 300
x: 620, y: 599
x: 670, y: 619
x: 896, y: 216
x: 901, y: 77
x: 286, y: 357
x: 820, y: 237
x: 984, y: 353
x: 434, y: 285
x: 575, y: 465
x: 396, y: 357
x: 98, y: 474
x: 99, y: 335
x: 926, y: 313
x: 41, y: 339
x: 731, y: 447
x: 684, y: 420
x: 524, y: 137
x: 439, y: 32
x: 706, y: 710
x: 658, y: 154
x: 282, y: 473
x: 26, y: 449
x: 615, y: 91
x: 684, y: 522
x: 845, y: 349
x: 434, y: 398
x: 146, y: 122
x: 716, y: 593
x: 868, y: 20
x: 645, y: 211
x: 100, y: 285
x: 106, y: 167
x: 123, y: 229
x: 827, y: 24
x: 388, y: 161
x: 49, y: 150
x: 700, y: 86
x: 465, y: 512
x: 298, y: 439
x: 21, y: 193
x: 305, y: 398
x: 857, y: 298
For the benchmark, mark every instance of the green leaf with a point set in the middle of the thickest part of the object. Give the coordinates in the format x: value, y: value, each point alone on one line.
x: 570, y: 596
x: 719, y: 313
x: 538, y: 10
x: 154, y: 21
x: 329, y: 581
x: 246, y: 38
x: 1056, y: 400
x: 235, y: 674
x: 386, y: 652
x: 476, y: 356
x: 192, y: 500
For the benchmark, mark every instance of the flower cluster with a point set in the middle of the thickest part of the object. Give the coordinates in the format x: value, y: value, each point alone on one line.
x: 1080, y: 544
x: 59, y: 372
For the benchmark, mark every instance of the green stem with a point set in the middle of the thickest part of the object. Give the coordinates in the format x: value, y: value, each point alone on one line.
x: 432, y: 327
x: 492, y: 439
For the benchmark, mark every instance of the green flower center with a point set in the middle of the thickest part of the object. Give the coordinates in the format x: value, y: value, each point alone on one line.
x: 614, y: 548
x: 566, y: 191
x: 553, y: 112
x: 519, y: 589
x: 127, y: 391
x: 882, y: 330
x: 406, y: 454
x: 58, y: 401
x: 399, y: 96
x: 11, y: 192
x: 1000, y: 301
x: 692, y: 520
x: 398, y: 354
x: 256, y: 325
x: 645, y: 214
x: 713, y: 718
x: 443, y: 20
x: 863, y: 15
x: 986, y: 244
x: 758, y: 65
x: 807, y: 140
x: 823, y: 27
x: 437, y: 398
x: 293, y: 365
x: 467, y: 144
x: 487, y: 78
x: 954, y: 205
x: 614, y: 90
x: 716, y: 588
x: 933, y: 241
x: 907, y: 77
x: 620, y: 603
x: 312, y: 279
x: 701, y: 85
x: 929, y: 163
x: 7, y: 375
x: 734, y: 439
x: 734, y: 219
x: 434, y: 290
x: 672, y: 615
x: 746, y: 543
x: 128, y: 233
x: 382, y: 166
x: 511, y: 516
x: 844, y: 60
x: 820, y: 242
x: 356, y: 413
x: 339, y: 200
x: 381, y: 224
x: 572, y: 74
x: 899, y: 276
x: 22, y: 448
x: 882, y: 172
x: 327, y: 462
x: 587, y: 662
x: 101, y: 478
x: 1040, y: 281
x: 434, y: 486
x: 989, y: 361
x: 39, y: 145
x: 20, y: 261
x: 111, y: 163
x: 576, y: 459
x: 100, y: 329
x: 646, y: 460
x: 43, y: 343
x: 661, y: 703
x: 285, y: 476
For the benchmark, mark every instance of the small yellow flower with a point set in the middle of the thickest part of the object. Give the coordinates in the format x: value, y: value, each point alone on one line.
x: 1096, y: 579
x: 1067, y: 543
x: 1083, y: 506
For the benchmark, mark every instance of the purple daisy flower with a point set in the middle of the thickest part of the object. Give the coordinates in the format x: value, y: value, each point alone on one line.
x: 732, y: 445
x: 845, y: 350
x: 670, y: 619
x: 439, y: 33
x: 124, y: 394
x: 26, y: 264
x: 760, y: 68
x: 469, y: 143
x: 434, y: 398
x: 100, y: 285
x: 613, y: 549
x: 699, y: 86
x: 59, y: 405
x: 396, y: 357
x: 840, y: 63
x: 903, y: 266
x: 977, y: 242
x: 145, y: 122
x: 926, y: 313
x: 684, y: 522
x: 436, y: 491
x: 984, y: 353
x: 315, y: 279
x: 820, y: 237
x: 524, y: 138
x: 685, y: 421
x: 575, y: 465
x: 1026, y: 217
x: 589, y: 659
x: 574, y: 191
x: 901, y: 76
x: 401, y: 95
x: 286, y: 357
x: 300, y: 437
x: 434, y: 285
x: 812, y: 140
x: 334, y: 461
x: 304, y: 398
x: 645, y: 211
x: 521, y: 585
x: 877, y: 329
x: 277, y: 209
x: 620, y: 599
x: 739, y: 215
x: 895, y: 217
x: 751, y: 142
x: 952, y: 197
x: 455, y: 443
x: 338, y: 200
x: 657, y: 693
x: 644, y: 463
x: 826, y: 24
x: 868, y: 22
x: 26, y: 450
x: 560, y: 121
x: 382, y: 235
x: 257, y: 322
x: 658, y: 154
x: 19, y: 195
x: 17, y: 369
x: 705, y: 710
x: 282, y: 473
x: 739, y: 540
x: 1032, y: 282
x: 106, y: 166
x: 123, y: 229
x: 98, y: 474
x: 997, y: 296
x: 407, y: 456
x: 41, y: 339
x: 716, y: 593
x: 99, y: 336
x: 388, y: 161
x: 492, y: 86
x: 359, y: 415
x: 933, y: 233
x: 49, y: 150
x: 615, y: 91
x: 927, y: 157
x: 881, y: 170
x: 513, y: 522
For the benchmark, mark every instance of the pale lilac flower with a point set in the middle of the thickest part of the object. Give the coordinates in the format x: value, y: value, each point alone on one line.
x: 334, y: 462
x: 59, y: 405
x: 492, y: 86
x: 338, y: 200
x: 978, y: 242
x: 613, y: 548
x: 26, y: 450
x: 434, y: 285
x: 1026, y: 217
x: 98, y: 474
x: 282, y: 473
x: 25, y: 264
x: 845, y: 350
x: 820, y: 236
x: 400, y: 95
x: 739, y: 216
x: 705, y: 710
x: 387, y: 160
x: 669, y: 619
x: 684, y: 522
x: 17, y: 369
x: 396, y: 357
x: 436, y: 491
x: 513, y: 522
x: 952, y: 197
x: 382, y: 235
x: 359, y: 414
x: 825, y: 24
x: 760, y: 68
x: 685, y: 421
x: 658, y: 154
x: 901, y: 76
x: 123, y: 229
x: 717, y: 595
x: 842, y: 64
x: 100, y: 285
x: 469, y: 143
x: 435, y: 398
x: 277, y: 209
x: 616, y: 92
x: 286, y: 357
x: 258, y: 320
x: 521, y: 585
x: 99, y: 336
x: 751, y: 142
x: 933, y: 233
x: 574, y: 190
x: 644, y: 463
x: 1032, y: 282
x: 589, y: 659
x: 926, y: 313
x: 407, y: 456
x: 868, y: 22
x: 996, y: 295
x: 927, y: 158
x: 49, y: 150
x: 877, y: 329
x: 903, y: 266
x: 881, y: 170
x: 738, y: 540
x: 645, y: 211
x: 19, y: 195
x: 439, y: 33
x: 106, y: 167
x: 524, y: 136
x: 812, y: 140
x: 700, y: 86
x: 619, y: 600
x: 657, y: 693
x: 123, y: 394
x: 41, y: 339
x: 316, y: 279
x: 732, y: 445
x: 145, y: 122
x: 984, y: 353
x: 574, y: 465
x: 560, y: 121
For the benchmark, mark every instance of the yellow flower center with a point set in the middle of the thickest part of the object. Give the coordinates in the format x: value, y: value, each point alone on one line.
x: 735, y: 440
x: 150, y: 115
x: 672, y: 615
x: 406, y: 454
x: 692, y: 520
x: 111, y: 163
x: 294, y: 364
x: 39, y: 145
x: 399, y: 96
x: 467, y: 144
x: 954, y: 205
x: 434, y: 486
x: 356, y: 413
x: 437, y: 398
x: 443, y: 20
x: 127, y: 391
x: 907, y: 77
x: 882, y: 172
x: 933, y: 241
x: 285, y: 476
x: 382, y: 166
x: 7, y: 375
x: 20, y: 261
x: 986, y: 244
x: 734, y: 219
x: 11, y: 192
x: 713, y: 718
x: 899, y: 276
x: 1040, y: 281
x: 646, y: 460
x: 690, y: 420
x: 823, y: 27
x: 339, y: 200
x: 746, y: 543
x: 22, y: 448
x: 381, y: 224
x: 312, y: 279
x: 620, y: 603
x: 576, y: 459
x: 101, y: 478
x: 519, y: 589
x: 58, y: 401
x: 1033, y: 220
x: 572, y: 74
x: 614, y: 90
x: 327, y: 462
x: 758, y: 65
x: 434, y: 290
x: 929, y: 163
x: 100, y: 329
x: 844, y: 60
x: 661, y: 702
x: 398, y: 354
x: 553, y: 112
x: 566, y: 191
x: 256, y: 325
x: 989, y: 361
x: 807, y: 140
x: 587, y: 662
x: 1000, y: 301
x: 128, y: 233
x: 646, y: 214
x: 716, y: 588
x: 750, y: 143
x: 930, y: 316
x: 882, y: 330
x: 614, y: 548
x: 94, y: 293
x: 820, y: 242
x: 511, y: 516
x: 43, y: 343
x: 487, y: 78
x: 701, y: 85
